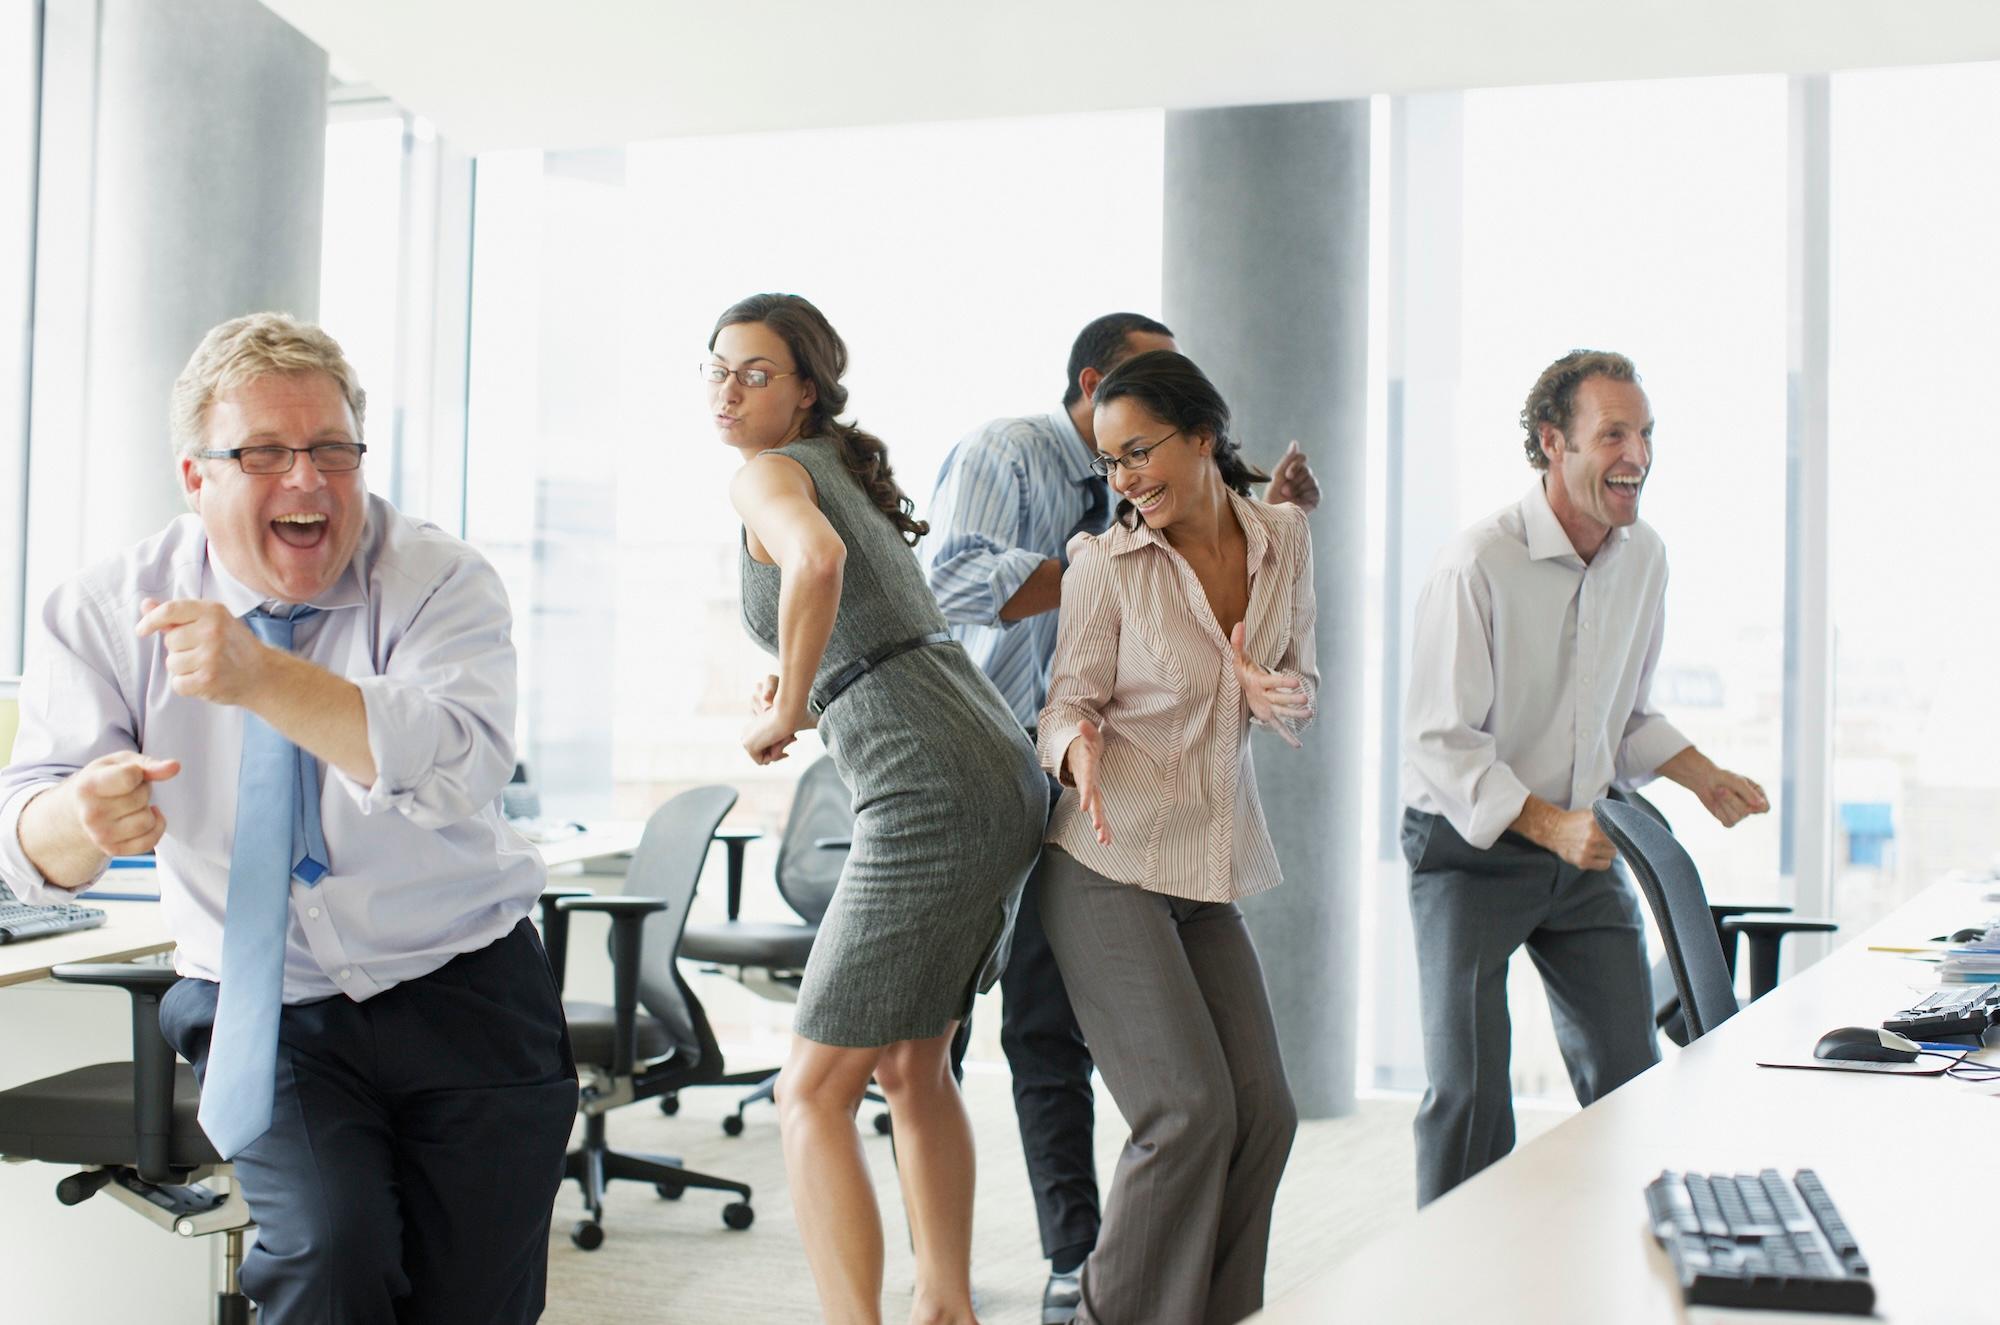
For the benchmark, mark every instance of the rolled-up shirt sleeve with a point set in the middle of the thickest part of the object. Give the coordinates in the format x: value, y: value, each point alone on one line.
x: 1648, y: 739
x: 1086, y: 658
x: 71, y: 712
x: 1451, y: 697
x: 441, y: 711
x: 978, y: 518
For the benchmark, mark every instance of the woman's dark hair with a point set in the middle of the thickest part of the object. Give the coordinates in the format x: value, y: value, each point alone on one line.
x: 1173, y: 390
x: 821, y: 356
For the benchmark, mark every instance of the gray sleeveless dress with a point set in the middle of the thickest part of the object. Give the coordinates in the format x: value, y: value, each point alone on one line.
x: 949, y: 802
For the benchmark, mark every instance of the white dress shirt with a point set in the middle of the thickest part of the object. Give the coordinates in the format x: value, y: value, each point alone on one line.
x: 1530, y: 671
x: 423, y: 865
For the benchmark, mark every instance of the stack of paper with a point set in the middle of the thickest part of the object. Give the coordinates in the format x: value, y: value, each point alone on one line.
x: 1977, y: 961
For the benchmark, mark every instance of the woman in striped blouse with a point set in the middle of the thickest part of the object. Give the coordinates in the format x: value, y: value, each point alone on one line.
x: 1182, y: 624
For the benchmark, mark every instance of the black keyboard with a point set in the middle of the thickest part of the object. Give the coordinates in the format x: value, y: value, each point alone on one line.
x: 1954, y: 1010
x: 18, y: 920
x: 1759, y: 1240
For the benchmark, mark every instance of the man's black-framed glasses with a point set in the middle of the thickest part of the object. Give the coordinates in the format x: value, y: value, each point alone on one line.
x: 328, y: 457
x: 1135, y: 458
x: 716, y: 374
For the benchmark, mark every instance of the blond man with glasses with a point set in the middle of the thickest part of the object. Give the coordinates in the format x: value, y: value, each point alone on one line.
x: 302, y: 702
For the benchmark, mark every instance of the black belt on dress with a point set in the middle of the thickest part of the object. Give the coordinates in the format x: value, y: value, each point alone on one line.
x: 860, y: 667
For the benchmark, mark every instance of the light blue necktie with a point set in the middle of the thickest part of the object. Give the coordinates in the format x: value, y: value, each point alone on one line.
x: 277, y: 839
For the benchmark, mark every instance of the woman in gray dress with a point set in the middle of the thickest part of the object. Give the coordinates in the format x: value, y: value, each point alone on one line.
x: 949, y: 806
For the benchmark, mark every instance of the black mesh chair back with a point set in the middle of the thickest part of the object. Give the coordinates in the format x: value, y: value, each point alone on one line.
x: 822, y: 811
x: 667, y: 865
x: 1672, y: 885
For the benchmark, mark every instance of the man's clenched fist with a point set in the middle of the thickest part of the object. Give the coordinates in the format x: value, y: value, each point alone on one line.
x: 210, y: 654
x: 112, y: 797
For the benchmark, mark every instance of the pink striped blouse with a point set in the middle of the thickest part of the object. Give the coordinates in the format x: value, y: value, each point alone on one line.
x: 1139, y: 650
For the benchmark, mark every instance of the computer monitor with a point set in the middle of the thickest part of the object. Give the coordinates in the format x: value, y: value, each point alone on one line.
x: 10, y: 714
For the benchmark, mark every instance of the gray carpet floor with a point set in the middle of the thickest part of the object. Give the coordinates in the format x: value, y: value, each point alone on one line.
x: 1349, y: 1180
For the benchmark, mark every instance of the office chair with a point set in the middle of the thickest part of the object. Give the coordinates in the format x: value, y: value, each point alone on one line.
x: 132, y: 1129
x: 769, y: 958
x: 1759, y: 926
x: 654, y: 1039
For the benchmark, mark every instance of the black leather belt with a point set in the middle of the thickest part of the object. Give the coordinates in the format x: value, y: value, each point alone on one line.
x: 860, y: 667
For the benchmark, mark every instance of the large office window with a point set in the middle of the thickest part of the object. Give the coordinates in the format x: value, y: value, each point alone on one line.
x: 395, y: 263
x: 361, y: 265
x: 957, y: 260
x: 20, y: 92
x: 1915, y: 281
x: 1647, y: 218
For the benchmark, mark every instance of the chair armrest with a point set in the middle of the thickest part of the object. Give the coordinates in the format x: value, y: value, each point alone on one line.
x: 628, y: 932
x: 555, y: 928
x: 735, y: 841
x: 833, y: 843
x: 1786, y: 924
x: 1723, y: 910
x: 1764, y: 934
x: 152, y: 1056
x: 137, y: 977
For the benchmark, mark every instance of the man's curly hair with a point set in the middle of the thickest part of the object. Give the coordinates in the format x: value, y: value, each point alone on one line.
x: 1553, y: 401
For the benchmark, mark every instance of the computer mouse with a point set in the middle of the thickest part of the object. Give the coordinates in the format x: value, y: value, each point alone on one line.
x: 1865, y: 1044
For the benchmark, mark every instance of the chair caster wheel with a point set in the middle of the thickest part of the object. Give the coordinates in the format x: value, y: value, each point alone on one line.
x: 670, y: 1191
x: 587, y: 1234
x: 738, y: 1215
x: 670, y: 1105
x: 883, y: 1126
x: 733, y: 1124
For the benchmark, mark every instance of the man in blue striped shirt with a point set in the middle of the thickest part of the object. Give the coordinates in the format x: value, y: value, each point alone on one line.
x: 1009, y: 498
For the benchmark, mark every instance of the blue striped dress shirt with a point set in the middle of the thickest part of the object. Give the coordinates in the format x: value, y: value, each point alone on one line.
x: 1009, y: 497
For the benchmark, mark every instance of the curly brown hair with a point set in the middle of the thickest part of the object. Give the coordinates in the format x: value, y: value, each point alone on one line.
x: 1553, y: 400
x: 821, y: 356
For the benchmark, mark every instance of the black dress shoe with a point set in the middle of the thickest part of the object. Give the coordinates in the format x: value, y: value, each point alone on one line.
x: 1061, y: 1297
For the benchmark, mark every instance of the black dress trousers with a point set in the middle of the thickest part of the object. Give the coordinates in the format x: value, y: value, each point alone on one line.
x: 416, y: 1144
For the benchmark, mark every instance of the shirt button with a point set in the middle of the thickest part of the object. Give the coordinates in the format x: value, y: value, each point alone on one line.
x: 345, y: 972
x: 312, y: 913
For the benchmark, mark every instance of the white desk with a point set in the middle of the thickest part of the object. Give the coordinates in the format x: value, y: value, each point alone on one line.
x: 1557, y: 1232
x: 135, y: 929
x: 597, y: 841
x: 130, y: 929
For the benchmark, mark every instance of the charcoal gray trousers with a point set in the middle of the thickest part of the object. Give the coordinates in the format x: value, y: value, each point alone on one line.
x: 1471, y: 909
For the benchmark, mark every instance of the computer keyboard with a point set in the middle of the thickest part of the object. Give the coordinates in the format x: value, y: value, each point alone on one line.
x: 1953, y: 1010
x: 1759, y: 1241
x: 18, y: 920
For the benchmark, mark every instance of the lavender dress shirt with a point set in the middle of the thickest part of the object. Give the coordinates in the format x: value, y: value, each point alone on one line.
x: 423, y: 865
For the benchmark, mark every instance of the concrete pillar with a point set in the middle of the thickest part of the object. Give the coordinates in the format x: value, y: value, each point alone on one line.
x: 1265, y: 284
x: 182, y: 166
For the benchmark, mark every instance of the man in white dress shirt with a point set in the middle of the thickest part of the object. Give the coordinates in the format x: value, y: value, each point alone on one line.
x: 303, y: 702
x: 1536, y: 639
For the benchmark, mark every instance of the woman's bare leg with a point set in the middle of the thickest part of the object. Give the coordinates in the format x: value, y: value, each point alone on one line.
x: 818, y: 1092
x: 936, y: 1166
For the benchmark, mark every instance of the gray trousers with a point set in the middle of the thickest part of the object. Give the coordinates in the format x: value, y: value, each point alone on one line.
x: 1471, y: 909
x: 1172, y: 1001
